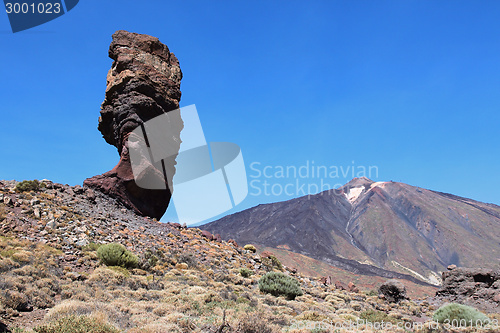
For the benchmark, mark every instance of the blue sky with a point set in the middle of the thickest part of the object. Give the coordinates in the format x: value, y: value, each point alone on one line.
x: 411, y: 87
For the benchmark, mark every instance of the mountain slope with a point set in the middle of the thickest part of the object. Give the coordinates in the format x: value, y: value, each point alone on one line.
x: 375, y: 227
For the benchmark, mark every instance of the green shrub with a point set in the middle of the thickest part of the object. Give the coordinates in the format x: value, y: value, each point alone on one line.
x: 463, y: 314
x: 374, y: 316
x: 28, y: 185
x: 76, y: 324
x: 279, y: 284
x: 115, y: 254
x: 250, y: 247
x: 245, y: 272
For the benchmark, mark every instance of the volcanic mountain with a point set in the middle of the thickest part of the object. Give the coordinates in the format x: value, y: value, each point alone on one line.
x: 376, y: 228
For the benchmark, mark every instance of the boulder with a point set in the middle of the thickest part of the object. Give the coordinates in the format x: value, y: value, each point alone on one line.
x: 340, y: 286
x: 7, y: 200
x: 266, y: 254
x: 352, y: 288
x: 207, y: 234
x: 393, y: 291
x: 143, y: 83
x: 473, y: 286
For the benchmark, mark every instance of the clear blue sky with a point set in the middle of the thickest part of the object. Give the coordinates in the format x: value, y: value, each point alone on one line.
x: 411, y: 87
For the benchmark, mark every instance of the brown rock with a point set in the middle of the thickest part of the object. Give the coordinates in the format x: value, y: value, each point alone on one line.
x: 266, y: 254
x: 218, y: 237
x: 7, y: 200
x: 496, y: 298
x: 340, y: 286
x: 232, y: 241
x: 352, y: 288
x: 470, y: 284
x: 90, y: 195
x: 207, y: 234
x: 451, y: 267
x: 144, y: 82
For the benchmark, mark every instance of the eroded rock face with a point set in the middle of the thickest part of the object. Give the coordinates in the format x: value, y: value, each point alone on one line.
x: 143, y: 83
x: 476, y: 287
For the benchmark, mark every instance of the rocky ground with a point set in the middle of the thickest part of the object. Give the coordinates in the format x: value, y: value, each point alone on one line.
x: 187, y: 280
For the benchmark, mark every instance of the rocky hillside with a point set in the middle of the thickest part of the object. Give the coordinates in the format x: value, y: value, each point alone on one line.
x: 185, y: 280
x: 383, y: 228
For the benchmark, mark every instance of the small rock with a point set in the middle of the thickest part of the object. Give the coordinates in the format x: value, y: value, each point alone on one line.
x: 352, y: 287
x: 78, y: 189
x: 207, y: 234
x: 1, y: 196
x: 51, y: 224
x: 82, y: 242
x: 7, y: 201
x: 340, y: 286
x: 267, y: 254
x: 90, y: 195
x: 34, y: 201
x: 36, y: 212
x: 233, y: 242
x: 496, y: 298
x: 452, y: 267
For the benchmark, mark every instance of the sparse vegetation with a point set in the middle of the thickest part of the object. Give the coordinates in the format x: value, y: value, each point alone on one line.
x: 2, y: 212
x: 245, y: 272
x: 28, y: 186
x: 460, y: 313
x: 179, y: 282
x: 375, y: 316
x: 250, y: 247
x: 115, y: 254
x: 91, y: 247
x: 77, y: 324
x: 279, y: 284
x: 270, y: 263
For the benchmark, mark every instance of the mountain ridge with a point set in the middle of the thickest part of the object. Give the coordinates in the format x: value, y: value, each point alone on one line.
x: 391, y: 226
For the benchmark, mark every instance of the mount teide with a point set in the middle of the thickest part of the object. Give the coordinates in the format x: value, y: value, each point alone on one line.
x: 376, y: 228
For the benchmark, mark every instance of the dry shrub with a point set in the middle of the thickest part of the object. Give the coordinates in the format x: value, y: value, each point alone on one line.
x: 103, y: 312
x: 7, y: 264
x: 42, y: 298
x: 27, y: 270
x: 67, y: 308
x: 163, y: 309
x: 22, y: 256
x: 174, y: 317
x: 77, y: 324
x: 15, y: 300
x: 255, y: 323
x: 157, y: 328
x: 106, y: 276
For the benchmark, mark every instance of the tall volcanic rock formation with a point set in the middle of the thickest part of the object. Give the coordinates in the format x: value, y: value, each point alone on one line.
x: 367, y: 226
x: 143, y: 83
